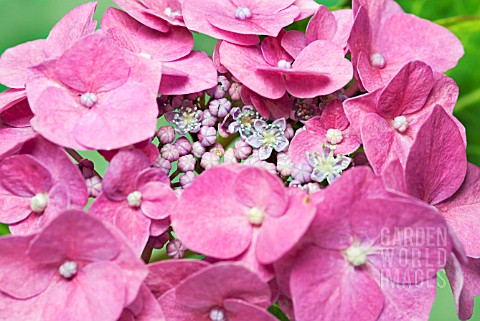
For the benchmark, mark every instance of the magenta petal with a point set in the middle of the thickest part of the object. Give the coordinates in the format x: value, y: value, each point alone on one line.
x: 22, y: 277
x: 333, y: 116
x: 271, y: 245
x: 159, y: 227
x: 307, y: 8
x: 272, y: 50
x: 9, y: 98
x: 122, y: 173
x: 13, y: 139
x: 151, y: 174
x: 96, y: 293
x: 200, y: 71
x: 461, y: 211
x: 432, y: 174
x: 270, y: 108
x: 210, y: 286
x: 322, y: 26
x: 74, y: 25
x: 243, y: 63
x: 393, y: 177
x: 99, y: 128
x: 93, y: 65
x: 23, y: 176
x: 305, y: 141
x: 18, y: 115
x: 74, y: 235
x: 336, y: 292
x: 335, y: 70
x: 13, y: 208
x: 138, y: 11
x: 149, y: 310
x: 14, y: 63
x: 134, y: 225
x: 240, y: 310
x: 294, y: 41
x: 166, y: 275
x: 200, y: 222
x: 407, y: 92
x: 267, y: 193
x: 158, y: 200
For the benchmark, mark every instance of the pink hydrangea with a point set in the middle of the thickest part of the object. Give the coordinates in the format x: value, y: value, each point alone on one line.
x: 389, y: 118
x: 384, y: 39
x: 239, y: 21
x: 74, y: 264
x: 372, y: 255
x: 331, y: 128
x: 37, y: 185
x: 102, y: 104
x: 183, y: 71
x: 270, y: 71
x: 249, y: 222
x: 135, y: 197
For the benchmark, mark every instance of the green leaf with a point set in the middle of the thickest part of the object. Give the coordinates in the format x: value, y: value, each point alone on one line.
x: 4, y: 229
x: 439, y: 9
x: 278, y: 313
x: 457, y: 21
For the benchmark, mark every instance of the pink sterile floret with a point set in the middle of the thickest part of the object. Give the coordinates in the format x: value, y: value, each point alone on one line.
x: 74, y: 264
x: 384, y: 38
x: 37, y: 185
x: 366, y: 252
x: 183, y: 71
x: 239, y: 21
x: 251, y: 220
x: 136, y: 198
x: 331, y: 128
x: 270, y: 71
x: 92, y: 97
x: 389, y: 118
x: 218, y: 292
x: 15, y: 62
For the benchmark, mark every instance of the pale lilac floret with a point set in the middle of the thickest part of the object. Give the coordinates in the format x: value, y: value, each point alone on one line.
x: 244, y: 119
x: 325, y: 165
x: 187, y: 119
x: 268, y: 137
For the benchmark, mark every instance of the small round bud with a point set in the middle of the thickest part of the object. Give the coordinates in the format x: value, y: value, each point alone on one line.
x: 301, y: 172
x: 242, y: 13
x: 217, y: 149
x: 235, y: 91
x: 208, y: 119
x: 176, y: 250
x: 256, y: 216
x: 87, y: 168
x: 217, y: 314
x: 186, y: 163
x: 170, y: 152
x: 183, y: 146
x: 209, y: 160
x: 134, y: 199
x: 88, y: 99
x: 242, y: 149
x: 284, y: 64
x: 207, y: 136
x: 39, y: 203
x: 68, y: 269
x: 94, y: 185
x: 229, y: 156
x: 400, y: 123
x: 334, y: 136
x: 163, y: 164
x: 198, y: 149
x: 166, y: 134
x: 356, y: 254
x: 289, y: 132
x: 187, y: 179
x: 378, y: 60
x: 284, y: 164
x: 220, y: 107
x: 177, y: 101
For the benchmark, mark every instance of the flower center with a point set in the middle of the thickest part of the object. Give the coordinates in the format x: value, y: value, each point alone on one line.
x: 172, y: 14
x: 284, y: 64
x: 243, y: 13
x: 356, y: 254
x: 134, y: 199
x: 326, y: 165
x: 217, y: 314
x: 334, y: 136
x: 39, y: 203
x: 68, y: 269
x: 377, y: 60
x: 256, y: 216
x: 400, y: 123
x: 88, y: 99
x: 145, y: 55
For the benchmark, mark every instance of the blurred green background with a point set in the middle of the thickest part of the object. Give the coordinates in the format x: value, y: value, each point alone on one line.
x: 24, y: 20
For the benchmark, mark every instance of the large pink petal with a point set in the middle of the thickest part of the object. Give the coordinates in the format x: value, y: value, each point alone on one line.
x: 150, y: 309
x: 444, y: 93
x: 356, y: 108
x: 122, y: 172
x: 243, y: 63
x: 166, y: 275
x: 74, y: 235
x: 333, y: 116
x: 13, y: 139
x: 462, y: 211
x: 294, y: 42
x: 400, y: 38
x: 158, y: 8
x: 200, y: 71
x: 240, y: 310
x: 15, y: 63
x: 11, y: 97
x: 335, y: 70
x: 134, y: 225
x: 272, y: 50
x: 74, y: 25
x: 407, y: 92
x: 344, y: 20
x: 271, y: 245
x: 213, y: 284
x: 337, y: 291
x: 125, y: 116
x: 158, y: 200
x: 307, y: 8
x: 430, y: 175
x: 255, y: 187
x: 200, y: 221
x: 93, y: 65
x: 18, y: 115
x: 23, y: 176
x: 174, y: 309
x: 95, y: 293
x: 21, y: 276
x: 269, y: 108
x: 13, y: 208
x: 322, y: 26
x: 137, y: 10
x: 303, y: 142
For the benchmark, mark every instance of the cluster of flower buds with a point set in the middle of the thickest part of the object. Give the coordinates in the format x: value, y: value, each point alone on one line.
x: 318, y: 174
